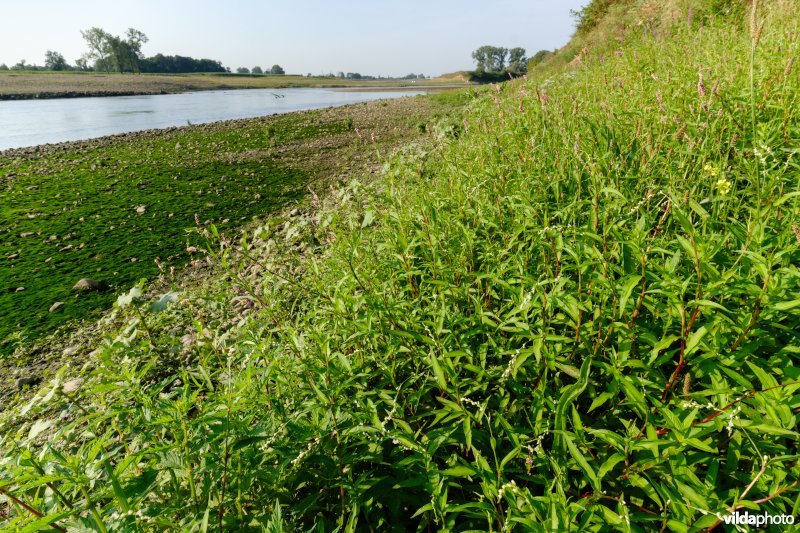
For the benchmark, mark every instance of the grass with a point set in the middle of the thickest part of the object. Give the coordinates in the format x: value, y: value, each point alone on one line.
x: 26, y: 85
x: 72, y: 213
x: 574, y: 309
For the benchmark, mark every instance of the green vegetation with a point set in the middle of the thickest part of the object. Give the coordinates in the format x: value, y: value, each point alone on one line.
x: 497, y: 64
x: 575, y: 309
x: 108, y: 209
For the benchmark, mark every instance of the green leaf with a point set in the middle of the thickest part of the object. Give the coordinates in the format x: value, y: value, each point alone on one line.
x: 459, y: 471
x: 627, y: 290
x: 583, y: 464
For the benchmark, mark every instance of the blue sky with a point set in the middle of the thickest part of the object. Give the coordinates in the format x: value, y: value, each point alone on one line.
x: 379, y: 37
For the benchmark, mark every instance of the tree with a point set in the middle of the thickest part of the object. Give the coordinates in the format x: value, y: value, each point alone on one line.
x: 490, y: 58
x: 20, y: 66
x: 97, y: 41
x: 517, y: 62
x: 242, y: 70
x: 111, y: 52
x: 277, y: 69
x: 82, y: 63
x: 54, y: 61
x: 499, y: 55
x: 481, y: 57
x: 257, y: 70
x: 3, y: 67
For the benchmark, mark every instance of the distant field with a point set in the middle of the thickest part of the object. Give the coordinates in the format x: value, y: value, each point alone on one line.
x: 30, y: 85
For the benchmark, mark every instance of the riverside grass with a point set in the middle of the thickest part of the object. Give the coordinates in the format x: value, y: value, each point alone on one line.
x: 109, y: 208
x: 577, y: 310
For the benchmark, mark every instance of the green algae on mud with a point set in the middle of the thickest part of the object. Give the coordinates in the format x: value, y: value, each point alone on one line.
x: 108, y: 209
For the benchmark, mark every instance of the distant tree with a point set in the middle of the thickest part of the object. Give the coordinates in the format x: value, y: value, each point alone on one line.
x: 111, y: 52
x: 490, y: 58
x: 20, y: 66
x: 257, y: 70
x: 82, y: 63
x: 481, y: 56
x: 277, y: 69
x: 421, y: 77
x: 340, y: 75
x: 97, y: 41
x: 499, y: 55
x: 3, y: 66
x: 354, y: 76
x: 517, y: 62
x: 54, y: 61
x: 242, y: 70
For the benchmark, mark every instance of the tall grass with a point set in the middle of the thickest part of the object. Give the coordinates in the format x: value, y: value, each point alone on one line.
x: 576, y: 310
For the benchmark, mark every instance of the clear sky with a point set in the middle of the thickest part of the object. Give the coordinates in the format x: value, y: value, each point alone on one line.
x: 377, y: 37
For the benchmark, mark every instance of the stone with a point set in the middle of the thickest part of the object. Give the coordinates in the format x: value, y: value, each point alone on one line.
x: 87, y: 284
x: 141, y: 209
x: 21, y: 383
x: 13, y: 256
x: 56, y: 306
x: 27, y: 234
x: 72, y: 385
x: 70, y: 350
x: 20, y: 289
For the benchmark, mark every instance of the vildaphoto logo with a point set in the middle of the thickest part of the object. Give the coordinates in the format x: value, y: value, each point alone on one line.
x: 758, y: 520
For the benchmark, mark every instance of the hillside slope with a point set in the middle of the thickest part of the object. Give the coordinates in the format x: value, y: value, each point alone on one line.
x: 577, y: 311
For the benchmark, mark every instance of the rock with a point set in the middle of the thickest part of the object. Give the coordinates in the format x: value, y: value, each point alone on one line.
x: 56, y: 306
x: 13, y: 256
x: 295, y: 213
x: 72, y: 385
x: 20, y: 289
x: 53, y: 238
x: 134, y: 259
x: 70, y: 350
x: 141, y: 209
x: 87, y: 284
x: 27, y: 234
x: 21, y: 383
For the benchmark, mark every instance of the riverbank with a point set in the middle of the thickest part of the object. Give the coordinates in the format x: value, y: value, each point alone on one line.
x: 108, y: 208
x: 15, y: 85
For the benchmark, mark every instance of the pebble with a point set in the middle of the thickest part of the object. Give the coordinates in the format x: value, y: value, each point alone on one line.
x: 141, y: 209
x: 70, y: 350
x: 72, y: 385
x: 88, y: 284
x: 56, y: 306
x: 21, y: 383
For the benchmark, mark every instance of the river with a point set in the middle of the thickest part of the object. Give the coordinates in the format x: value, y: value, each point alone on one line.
x: 26, y: 123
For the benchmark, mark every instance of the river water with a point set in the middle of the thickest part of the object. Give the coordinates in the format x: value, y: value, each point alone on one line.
x: 34, y: 122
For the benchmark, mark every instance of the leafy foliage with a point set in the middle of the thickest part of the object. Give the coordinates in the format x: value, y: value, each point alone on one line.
x: 577, y: 310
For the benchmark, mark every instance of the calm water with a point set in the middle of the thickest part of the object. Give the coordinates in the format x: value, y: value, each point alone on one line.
x: 34, y: 122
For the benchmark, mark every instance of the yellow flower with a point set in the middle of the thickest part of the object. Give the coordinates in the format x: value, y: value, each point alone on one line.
x: 723, y: 186
x: 711, y: 170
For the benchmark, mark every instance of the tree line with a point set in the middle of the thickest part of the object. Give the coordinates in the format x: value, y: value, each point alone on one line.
x: 114, y: 53
x: 495, y: 63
